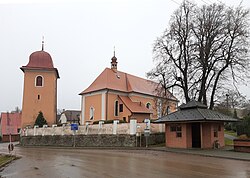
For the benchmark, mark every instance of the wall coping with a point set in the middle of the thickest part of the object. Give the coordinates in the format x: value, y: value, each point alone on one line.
x: 242, y: 140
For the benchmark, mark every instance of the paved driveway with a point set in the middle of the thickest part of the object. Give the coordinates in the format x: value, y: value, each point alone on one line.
x: 52, y: 162
x: 229, y: 136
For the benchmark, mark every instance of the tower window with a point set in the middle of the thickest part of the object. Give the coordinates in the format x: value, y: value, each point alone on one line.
x: 39, y: 81
x: 38, y: 97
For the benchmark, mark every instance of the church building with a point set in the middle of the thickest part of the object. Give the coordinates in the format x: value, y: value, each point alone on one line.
x: 116, y: 95
x: 40, y: 89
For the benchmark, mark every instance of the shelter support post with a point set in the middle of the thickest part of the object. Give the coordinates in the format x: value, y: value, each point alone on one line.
x: 201, y: 135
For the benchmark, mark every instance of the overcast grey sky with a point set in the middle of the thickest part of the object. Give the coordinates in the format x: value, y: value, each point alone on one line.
x: 80, y: 36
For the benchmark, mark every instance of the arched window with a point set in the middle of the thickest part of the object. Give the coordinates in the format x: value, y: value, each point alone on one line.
x: 39, y: 81
x: 91, y: 113
x: 159, y: 108
x: 116, y: 108
x: 148, y: 105
x: 168, y: 110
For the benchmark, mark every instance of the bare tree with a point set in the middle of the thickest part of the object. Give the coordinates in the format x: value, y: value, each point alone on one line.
x: 204, y: 48
x: 173, y: 52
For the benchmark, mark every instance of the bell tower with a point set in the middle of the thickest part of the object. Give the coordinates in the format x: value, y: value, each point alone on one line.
x: 39, y: 89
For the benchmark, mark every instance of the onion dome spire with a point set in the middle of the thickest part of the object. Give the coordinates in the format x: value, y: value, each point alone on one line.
x: 114, y: 62
x: 43, y: 43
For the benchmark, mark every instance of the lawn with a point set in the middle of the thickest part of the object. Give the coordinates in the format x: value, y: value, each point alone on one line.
x: 228, y: 142
x: 230, y: 132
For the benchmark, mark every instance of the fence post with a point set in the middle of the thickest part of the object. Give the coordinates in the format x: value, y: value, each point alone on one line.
x: 44, y: 127
x: 115, y: 126
x: 132, y: 126
x: 36, y: 126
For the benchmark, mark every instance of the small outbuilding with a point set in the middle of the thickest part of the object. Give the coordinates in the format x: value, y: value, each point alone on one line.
x: 10, y: 126
x: 70, y: 116
x: 194, y: 126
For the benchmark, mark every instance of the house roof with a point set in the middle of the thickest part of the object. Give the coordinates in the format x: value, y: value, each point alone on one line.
x: 13, y: 116
x: 10, y: 120
x: 40, y: 60
x: 72, y: 115
x: 195, y: 111
x: 134, y: 107
x: 124, y: 82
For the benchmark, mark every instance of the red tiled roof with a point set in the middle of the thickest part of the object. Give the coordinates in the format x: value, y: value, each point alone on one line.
x: 108, y: 79
x: 40, y: 60
x: 10, y: 122
x: 134, y: 107
x: 121, y: 81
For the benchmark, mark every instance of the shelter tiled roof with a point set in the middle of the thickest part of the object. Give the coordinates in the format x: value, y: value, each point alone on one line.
x: 195, y: 111
x: 192, y: 104
x: 121, y: 81
x: 134, y: 107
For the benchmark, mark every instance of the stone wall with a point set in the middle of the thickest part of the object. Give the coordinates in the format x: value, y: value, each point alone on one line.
x: 153, y: 139
x: 98, y: 140
x: 242, y: 145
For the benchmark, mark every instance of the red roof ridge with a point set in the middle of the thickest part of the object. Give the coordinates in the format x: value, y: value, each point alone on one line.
x: 124, y: 82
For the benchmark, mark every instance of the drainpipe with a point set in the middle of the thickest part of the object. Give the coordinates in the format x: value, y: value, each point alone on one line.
x: 106, y: 107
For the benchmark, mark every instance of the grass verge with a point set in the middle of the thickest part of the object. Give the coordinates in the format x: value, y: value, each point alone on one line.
x: 228, y: 142
x: 6, y: 159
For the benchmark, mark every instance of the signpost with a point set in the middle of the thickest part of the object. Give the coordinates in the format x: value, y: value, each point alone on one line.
x: 74, y: 128
x: 146, y: 134
x: 10, y: 147
x: 138, y: 135
x: 147, y: 130
x: 147, y: 121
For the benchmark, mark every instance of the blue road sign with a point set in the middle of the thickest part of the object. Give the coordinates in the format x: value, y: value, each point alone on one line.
x: 74, y: 126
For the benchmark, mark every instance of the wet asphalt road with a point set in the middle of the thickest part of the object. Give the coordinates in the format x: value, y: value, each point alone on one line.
x: 81, y: 163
